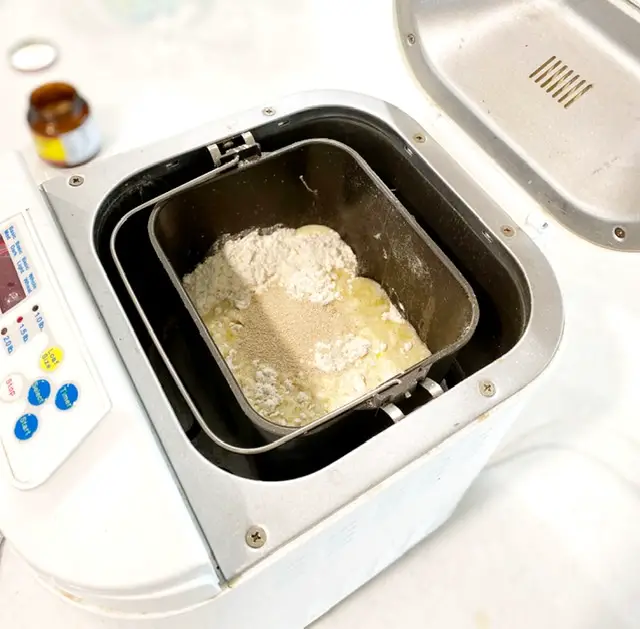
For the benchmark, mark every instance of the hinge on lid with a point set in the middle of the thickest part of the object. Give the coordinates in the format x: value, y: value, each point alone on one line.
x: 239, y: 148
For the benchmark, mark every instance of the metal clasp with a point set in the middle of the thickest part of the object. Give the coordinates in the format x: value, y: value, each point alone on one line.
x: 239, y: 148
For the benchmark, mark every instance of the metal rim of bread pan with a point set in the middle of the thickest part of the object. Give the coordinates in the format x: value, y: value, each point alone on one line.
x: 78, y: 210
x: 401, y: 383
x: 536, y: 83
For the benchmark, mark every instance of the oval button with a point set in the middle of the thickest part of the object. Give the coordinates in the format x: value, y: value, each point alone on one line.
x: 67, y: 396
x: 25, y: 427
x: 39, y: 392
x: 51, y: 358
x: 11, y: 387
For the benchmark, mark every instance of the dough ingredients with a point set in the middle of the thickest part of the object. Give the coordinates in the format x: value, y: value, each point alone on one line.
x: 302, y: 334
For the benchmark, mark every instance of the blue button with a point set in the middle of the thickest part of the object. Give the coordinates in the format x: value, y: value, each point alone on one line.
x: 25, y: 427
x: 39, y: 392
x: 66, y: 396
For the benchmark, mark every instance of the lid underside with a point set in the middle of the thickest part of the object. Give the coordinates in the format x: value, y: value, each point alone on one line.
x: 551, y: 89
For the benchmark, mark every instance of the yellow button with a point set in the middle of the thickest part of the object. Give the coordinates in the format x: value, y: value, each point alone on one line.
x: 51, y: 358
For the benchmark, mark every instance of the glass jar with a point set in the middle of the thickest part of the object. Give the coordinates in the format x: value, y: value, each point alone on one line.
x: 63, y: 129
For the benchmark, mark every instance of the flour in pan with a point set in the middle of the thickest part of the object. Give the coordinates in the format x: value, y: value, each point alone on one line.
x: 302, y: 262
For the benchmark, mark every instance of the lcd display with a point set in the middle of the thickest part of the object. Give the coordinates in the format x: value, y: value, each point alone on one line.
x: 11, y: 290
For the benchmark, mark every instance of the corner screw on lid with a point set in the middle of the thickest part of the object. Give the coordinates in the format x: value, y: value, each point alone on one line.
x: 487, y: 388
x: 619, y: 233
x: 256, y: 537
x: 268, y: 111
x: 76, y: 180
x: 411, y: 39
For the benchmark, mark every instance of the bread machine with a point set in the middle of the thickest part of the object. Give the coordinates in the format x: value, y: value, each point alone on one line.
x: 109, y: 487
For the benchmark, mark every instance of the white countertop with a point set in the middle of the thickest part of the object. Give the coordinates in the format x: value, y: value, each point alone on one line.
x: 548, y: 534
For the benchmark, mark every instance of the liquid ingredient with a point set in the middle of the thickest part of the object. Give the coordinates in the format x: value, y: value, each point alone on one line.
x: 301, y: 333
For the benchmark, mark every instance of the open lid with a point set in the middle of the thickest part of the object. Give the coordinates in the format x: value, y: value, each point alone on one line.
x: 551, y: 90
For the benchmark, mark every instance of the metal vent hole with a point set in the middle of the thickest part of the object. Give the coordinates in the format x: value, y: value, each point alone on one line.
x: 559, y: 80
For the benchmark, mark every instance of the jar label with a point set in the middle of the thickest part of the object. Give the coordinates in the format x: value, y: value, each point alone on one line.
x: 72, y: 148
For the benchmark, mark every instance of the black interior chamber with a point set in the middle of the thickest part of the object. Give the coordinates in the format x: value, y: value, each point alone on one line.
x: 497, y: 281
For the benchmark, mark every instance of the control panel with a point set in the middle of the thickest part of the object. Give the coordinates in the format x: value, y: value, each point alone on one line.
x: 50, y: 395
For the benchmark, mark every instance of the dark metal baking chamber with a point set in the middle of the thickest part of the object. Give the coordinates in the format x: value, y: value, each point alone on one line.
x: 495, y: 277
